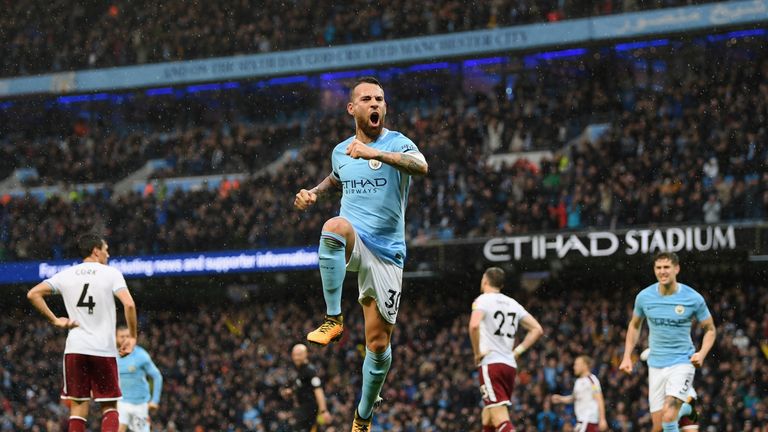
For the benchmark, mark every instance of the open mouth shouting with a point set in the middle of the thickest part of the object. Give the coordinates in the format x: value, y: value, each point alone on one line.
x: 375, y: 119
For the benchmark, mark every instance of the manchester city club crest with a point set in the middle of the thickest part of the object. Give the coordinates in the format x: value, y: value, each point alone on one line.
x: 374, y: 164
x: 679, y: 309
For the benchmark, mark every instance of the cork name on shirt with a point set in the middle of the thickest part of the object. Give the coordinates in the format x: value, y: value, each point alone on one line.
x: 85, y: 272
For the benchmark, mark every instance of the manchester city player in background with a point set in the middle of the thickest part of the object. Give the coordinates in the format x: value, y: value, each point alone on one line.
x: 373, y: 170
x: 670, y: 308
x: 137, y: 400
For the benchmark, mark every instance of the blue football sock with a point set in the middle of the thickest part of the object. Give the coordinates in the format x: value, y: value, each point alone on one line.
x: 670, y: 427
x: 333, y: 268
x: 685, y: 409
x: 375, y: 368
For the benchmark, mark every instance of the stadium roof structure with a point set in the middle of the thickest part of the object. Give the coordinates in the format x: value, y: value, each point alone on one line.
x: 629, y: 26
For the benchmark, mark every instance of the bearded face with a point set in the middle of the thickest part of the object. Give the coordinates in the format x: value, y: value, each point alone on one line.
x: 368, y: 109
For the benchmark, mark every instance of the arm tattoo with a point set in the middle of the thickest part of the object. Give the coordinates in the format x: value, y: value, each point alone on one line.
x: 404, y: 162
x: 328, y: 185
x: 413, y: 165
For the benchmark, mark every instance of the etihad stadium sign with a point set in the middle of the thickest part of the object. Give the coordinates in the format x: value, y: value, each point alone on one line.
x: 609, y: 243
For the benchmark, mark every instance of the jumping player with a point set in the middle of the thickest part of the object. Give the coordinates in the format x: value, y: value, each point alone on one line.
x: 373, y: 170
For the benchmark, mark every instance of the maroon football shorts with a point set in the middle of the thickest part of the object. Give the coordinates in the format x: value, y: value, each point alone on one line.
x: 90, y: 377
x: 497, y: 381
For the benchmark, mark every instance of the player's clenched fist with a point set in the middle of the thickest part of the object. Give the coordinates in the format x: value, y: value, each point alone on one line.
x: 697, y: 359
x: 626, y: 365
x: 304, y: 199
x: 358, y: 150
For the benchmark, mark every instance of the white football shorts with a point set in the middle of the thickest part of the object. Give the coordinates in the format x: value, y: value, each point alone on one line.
x: 377, y: 279
x: 675, y: 381
x: 136, y: 416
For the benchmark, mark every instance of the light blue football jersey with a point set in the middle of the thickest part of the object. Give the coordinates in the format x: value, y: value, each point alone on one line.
x: 374, y: 195
x: 134, y: 369
x: 669, y: 322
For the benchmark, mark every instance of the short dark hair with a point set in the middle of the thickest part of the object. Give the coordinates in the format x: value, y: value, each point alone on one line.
x: 121, y: 327
x: 87, y: 242
x: 495, y: 277
x: 363, y: 80
x: 671, y: 256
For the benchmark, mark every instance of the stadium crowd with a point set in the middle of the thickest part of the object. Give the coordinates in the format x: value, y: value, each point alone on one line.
x: 685, y: 145
x: 240, y: 130
x: 195, y: 134
x: 225, y: 363
x: 42, y: 36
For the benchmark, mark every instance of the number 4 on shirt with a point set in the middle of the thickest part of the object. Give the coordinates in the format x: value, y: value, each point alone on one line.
x: 81, y: 303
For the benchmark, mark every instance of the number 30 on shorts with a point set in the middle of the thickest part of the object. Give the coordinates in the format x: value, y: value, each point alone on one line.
x: 393, y: 301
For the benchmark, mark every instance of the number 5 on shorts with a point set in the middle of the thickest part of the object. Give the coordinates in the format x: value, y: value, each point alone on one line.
x: 686, y: 386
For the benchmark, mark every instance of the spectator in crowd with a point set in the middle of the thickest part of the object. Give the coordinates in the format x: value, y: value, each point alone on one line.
x: 712, y: 209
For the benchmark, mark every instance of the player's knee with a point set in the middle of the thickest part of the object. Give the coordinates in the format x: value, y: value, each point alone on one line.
x: 669, y: 415
x: 377, y: 346
x: 338, y: 225
x: 377, y: 342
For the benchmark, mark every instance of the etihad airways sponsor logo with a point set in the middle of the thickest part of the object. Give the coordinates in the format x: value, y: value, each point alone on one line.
x: 363, y: 186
